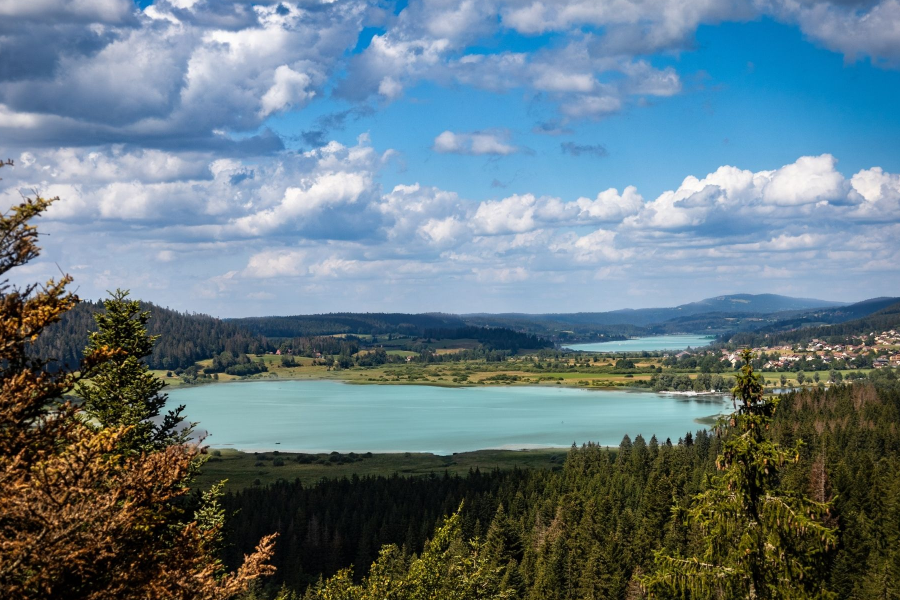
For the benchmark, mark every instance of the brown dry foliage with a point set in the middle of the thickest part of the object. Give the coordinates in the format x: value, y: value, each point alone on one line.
x: 78, y: 519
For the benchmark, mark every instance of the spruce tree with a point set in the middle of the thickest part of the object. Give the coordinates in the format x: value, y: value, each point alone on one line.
x: 757, y: 541
x: 123, y: 392
x: 79, y: 519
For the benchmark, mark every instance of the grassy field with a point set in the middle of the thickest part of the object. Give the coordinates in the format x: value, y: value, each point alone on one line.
x: 244, y: 469
x: 458, y: 374
x: 448, y: 374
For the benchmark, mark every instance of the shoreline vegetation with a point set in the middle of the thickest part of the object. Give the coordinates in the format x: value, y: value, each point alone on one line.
x: 639, y: 379
x: 244, y: 469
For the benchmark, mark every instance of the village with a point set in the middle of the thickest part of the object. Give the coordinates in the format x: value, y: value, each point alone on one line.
x: 876, y: 350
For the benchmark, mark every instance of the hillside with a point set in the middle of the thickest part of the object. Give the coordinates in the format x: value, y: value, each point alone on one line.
x: 184, y: 337
x: 782, y: 333
x: 352, y: 323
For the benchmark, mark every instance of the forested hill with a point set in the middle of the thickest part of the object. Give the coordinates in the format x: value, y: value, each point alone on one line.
x: 353, y: 323
x: 882, y: 320
x: 184, y: 338
x: 492, y: 338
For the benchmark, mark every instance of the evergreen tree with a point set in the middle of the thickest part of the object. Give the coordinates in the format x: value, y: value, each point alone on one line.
x: 757, y: 542
x: 79, y: 520
x: 449, y: 568
x: 122, y: 391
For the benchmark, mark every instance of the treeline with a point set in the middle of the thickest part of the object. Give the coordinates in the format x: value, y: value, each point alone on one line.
x: 235, y: 364
x: 704, y: 382
x: 356, y: 323
x: 336, y: 523
x: 882, y: 320
x: 558, y: 328
x: 491, y: 338
x: 184, y: 337
x: 324, y: 345
x: 589, y: 530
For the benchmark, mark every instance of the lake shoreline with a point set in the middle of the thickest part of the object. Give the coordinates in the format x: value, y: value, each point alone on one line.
x: 440, y: 384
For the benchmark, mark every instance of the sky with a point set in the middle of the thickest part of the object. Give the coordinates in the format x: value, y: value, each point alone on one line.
x: 257, y: 158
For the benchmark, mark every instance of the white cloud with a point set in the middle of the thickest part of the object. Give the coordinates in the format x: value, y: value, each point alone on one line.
x: 786, y: 242
x: 443, y: 231
x: 851, y: 28
x: 506, y: 275
x: 477, y: 143
x: 176, y: 71
x: 597, y: 246
x: 326, y: 190
x: 276, y: 263
x: 591, y: 106
x: 875, y: 185
x: 104, y: 11
x: 291, y: 220
x: 514, y: 214
x: 609, y: 205
x: 287, y: 91
x: 190, y: 74
x: 810, y: 179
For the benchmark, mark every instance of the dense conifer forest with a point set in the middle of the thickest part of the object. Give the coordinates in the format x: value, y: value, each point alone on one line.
x: 184, y: 338
x: 353, y: 323
x: 590, y: 529
x: 492, y: 338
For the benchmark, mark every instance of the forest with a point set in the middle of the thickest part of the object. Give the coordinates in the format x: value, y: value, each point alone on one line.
x: 880, y: 320
x: 497, y: 338
x: 591, y: 528
x: 353, y: 323
x: 184, y: 338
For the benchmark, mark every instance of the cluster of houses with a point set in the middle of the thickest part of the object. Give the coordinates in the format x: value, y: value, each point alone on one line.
x: 887, y: 345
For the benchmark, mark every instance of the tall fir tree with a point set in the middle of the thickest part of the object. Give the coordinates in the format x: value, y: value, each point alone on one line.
x: 757, y: 541
x: 123, y: 392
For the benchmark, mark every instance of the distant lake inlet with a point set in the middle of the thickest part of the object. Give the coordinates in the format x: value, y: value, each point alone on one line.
x: 325, y: 416
x: 656, y: 343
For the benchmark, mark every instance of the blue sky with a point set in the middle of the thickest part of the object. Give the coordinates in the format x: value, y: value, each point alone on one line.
x: 242, y: 158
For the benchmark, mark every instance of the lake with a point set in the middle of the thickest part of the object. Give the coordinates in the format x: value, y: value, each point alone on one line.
x: 654, y: 343
x: 325, y: 416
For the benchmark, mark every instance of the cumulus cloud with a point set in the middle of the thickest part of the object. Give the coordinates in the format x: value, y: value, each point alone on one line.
x: 192, y: 74
x: 278, y: 224
x: 514, y: 214
x: 796, y: 189
x: 176, y: 73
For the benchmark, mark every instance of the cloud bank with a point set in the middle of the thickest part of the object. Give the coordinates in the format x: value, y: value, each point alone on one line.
x: 319, y: 221
x: 207, y: 75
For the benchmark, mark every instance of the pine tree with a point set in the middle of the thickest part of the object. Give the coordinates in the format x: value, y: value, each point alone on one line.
x: 79, y: 520
x: 758, y: 542
x: 122, y: 391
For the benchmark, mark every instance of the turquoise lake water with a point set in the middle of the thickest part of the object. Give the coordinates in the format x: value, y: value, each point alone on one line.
x: 650, y: 344
x: 324, y: 416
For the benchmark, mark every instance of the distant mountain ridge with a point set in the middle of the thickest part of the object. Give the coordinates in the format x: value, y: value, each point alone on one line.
x: 745, y: 304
